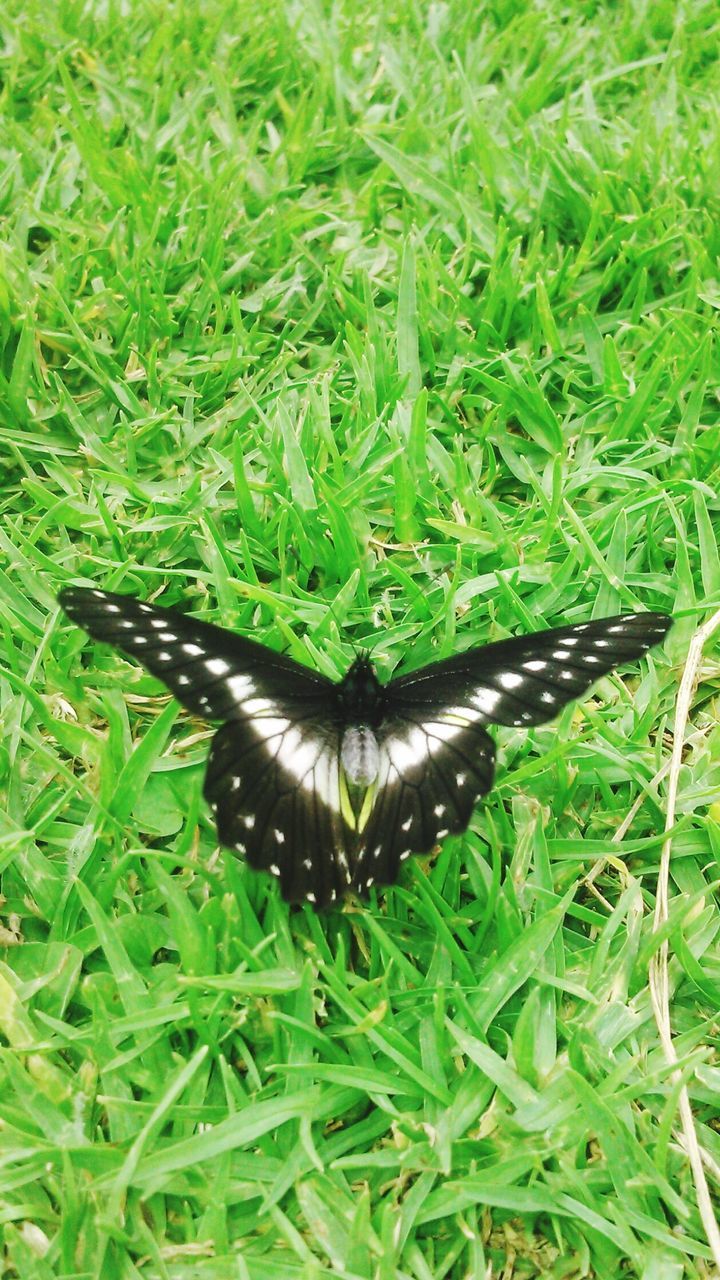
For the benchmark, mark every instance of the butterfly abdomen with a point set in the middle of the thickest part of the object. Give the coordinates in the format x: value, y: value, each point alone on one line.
x: 360, y: 755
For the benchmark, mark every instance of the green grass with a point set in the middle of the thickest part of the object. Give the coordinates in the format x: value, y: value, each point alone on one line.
x: 377, y: 325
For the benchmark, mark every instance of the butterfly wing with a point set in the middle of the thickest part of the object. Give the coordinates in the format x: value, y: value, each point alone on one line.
x: 433, y: 766
x: 436, y: 758
x: 211, y: 671
x: 272, y: 779
x: 528, y: 679
x: 274, y: 788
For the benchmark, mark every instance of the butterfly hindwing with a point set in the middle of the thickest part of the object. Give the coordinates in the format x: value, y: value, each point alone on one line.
x: 432, y: 771
x: 274, y: 788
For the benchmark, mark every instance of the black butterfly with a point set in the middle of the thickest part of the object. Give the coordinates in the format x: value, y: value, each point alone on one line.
x: 331, y: 785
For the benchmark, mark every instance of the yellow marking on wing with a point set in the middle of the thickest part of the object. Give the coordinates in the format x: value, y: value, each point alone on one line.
x: 355, y: 819
x: 346, y: 809
x: 366, y: 807
x: 455, y: 717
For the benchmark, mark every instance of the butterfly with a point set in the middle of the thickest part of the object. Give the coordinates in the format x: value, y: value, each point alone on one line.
x: 332, y: 785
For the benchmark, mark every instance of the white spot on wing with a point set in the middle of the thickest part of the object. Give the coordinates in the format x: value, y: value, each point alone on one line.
x: 546, y: 696
x: 407, y: 752
x: 445, y: 732
x: 407, y: 825
x: 535, y: 665
x: 249, y: 821
x: 511, y: 679
x: 253, y: 705
x: 486, y: 700
x: 439, y: 810
x: 310, y: 762
x: 241, y: 687
x: 326, y: 780
x: 270, y: 727
x: 192, y: 650
x: 217, y: 666
x: 113, y: 608
x: 301, y: 760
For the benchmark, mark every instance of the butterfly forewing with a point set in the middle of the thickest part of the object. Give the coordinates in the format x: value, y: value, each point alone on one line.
x: 528, y: 679
x: 211, y: 671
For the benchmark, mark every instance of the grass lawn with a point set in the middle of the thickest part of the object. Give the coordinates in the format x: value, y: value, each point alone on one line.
x: 376, y: 325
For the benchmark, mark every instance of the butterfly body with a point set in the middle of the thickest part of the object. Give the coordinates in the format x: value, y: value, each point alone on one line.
x: 331, y: 785
x: 360, y: 755
x: 360, y: 697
